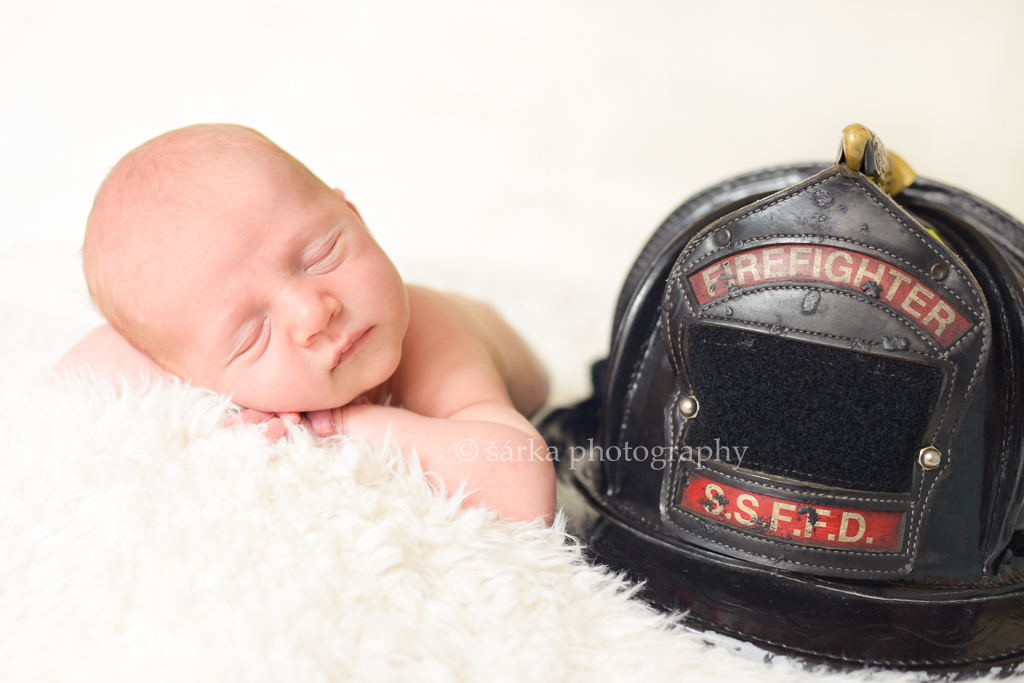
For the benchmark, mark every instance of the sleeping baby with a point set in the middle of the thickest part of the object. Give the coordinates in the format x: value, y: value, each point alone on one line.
x: 217, y: 257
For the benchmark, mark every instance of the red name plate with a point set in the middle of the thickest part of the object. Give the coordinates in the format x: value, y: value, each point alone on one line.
x: 838, y: 267
x: 791, y: 520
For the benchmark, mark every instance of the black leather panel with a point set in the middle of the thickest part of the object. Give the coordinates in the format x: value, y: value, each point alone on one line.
x: 835, y: 211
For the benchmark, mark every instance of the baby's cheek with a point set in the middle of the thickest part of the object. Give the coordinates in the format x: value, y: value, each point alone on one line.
x: 248, y: 390
x: 269, y: 397
x: 282, y: 390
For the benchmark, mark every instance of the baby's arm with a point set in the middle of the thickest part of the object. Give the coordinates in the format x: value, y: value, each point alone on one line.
x: 105, y: 352
x: 505, y: 466
x: 461, y: 366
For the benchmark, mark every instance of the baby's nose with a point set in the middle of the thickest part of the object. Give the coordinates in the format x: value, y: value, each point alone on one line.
x: 309, y: 314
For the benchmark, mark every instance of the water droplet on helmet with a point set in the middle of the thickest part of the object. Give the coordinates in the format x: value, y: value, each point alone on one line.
x: 810, y: 304
x: 895, y: 343
x: 822, y: 198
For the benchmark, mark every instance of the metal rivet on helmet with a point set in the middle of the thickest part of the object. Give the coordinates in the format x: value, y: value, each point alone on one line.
x: 689, y: 407
x: 929, y: 457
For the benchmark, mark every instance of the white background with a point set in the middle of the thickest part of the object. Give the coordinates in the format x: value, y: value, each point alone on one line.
x: 521, y: 152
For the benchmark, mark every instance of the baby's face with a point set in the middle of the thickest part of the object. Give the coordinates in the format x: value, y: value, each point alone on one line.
x: 279, y: 296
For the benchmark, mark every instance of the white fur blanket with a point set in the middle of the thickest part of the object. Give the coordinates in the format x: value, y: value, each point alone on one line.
x: 141, y: 541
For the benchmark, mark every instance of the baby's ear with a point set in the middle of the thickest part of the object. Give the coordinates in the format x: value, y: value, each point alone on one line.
x: 350, y: 204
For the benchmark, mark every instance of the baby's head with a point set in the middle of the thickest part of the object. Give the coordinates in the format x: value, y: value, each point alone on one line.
x: 229, y: 263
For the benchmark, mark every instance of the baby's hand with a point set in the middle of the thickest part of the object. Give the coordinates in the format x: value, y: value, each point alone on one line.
x: 322, y: 422
x: 275, y: 422
x: 328, y: 422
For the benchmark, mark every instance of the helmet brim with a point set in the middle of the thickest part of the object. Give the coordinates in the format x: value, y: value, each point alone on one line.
x: 838, y: 622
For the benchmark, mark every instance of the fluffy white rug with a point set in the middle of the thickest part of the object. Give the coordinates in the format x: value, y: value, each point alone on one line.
x: 139, y: 540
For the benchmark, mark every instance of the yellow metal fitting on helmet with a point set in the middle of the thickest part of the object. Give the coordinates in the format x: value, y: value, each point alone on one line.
x: 863, y: 151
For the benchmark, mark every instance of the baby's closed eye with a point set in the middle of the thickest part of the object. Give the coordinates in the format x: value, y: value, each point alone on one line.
x: 253, y: 343
x: 326, y: 257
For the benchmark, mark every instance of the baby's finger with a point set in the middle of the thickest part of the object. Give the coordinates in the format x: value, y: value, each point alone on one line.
x: 276, y: 429
x: 294, y: 418
x: 248, y: 417
x: 321, y: 421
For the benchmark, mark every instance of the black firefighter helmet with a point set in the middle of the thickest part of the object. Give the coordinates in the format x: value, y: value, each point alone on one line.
x: 808, y: 433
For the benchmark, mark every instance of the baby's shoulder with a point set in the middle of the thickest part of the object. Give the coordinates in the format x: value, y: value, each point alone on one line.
x: 430, y: 309
x: 465, y: 345
x: 448, y: 345
x: 443, y: 321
